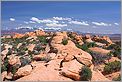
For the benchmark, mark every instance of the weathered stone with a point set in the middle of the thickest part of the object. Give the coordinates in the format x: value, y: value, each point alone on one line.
x: 14, y: 60
x: 51, y: 55
x: 4, y: 74
x: 39, y: 57
x: 100, y: 50
x: 31, y: 47
x: 24, y: 71
x: 71, y: 69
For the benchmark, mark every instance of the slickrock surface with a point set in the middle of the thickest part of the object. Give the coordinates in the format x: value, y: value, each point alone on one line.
x: 59, y: 56
x: 99, y: 50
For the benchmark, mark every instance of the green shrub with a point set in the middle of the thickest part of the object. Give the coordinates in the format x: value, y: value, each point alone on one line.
x: 91, y: 44
x: 107, y: 69
x: 85, y: 74
x: 21, y: 52
x: 115, y: 53
x: 35, y: 52
x: 42, y: 39
x: 5, y: 65
x: 9, y: 51
x: 116, y: 50
x: 38, y: 48
x: 30, y: 54
x: 98, y: 58
x: 112, y: 67
x: 86, y: 46
x: 64, y: 41
x: 14, y: 70
x: 104, y: 41
x: 24, y: 61
x: 83, y: 47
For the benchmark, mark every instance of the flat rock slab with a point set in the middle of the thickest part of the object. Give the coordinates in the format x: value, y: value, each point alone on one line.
x: 99, y: 50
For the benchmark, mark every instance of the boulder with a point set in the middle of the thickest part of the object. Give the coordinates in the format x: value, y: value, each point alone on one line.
x: 84, y: 61
x: 9, y: 76
x: 7, y: 46
x: 71, y: 69
x: 14, y: 60
x: 4, y: 74
x: 78, y: 37
x: 47, y: 49
x: 23, y: 71
x: 51, y: 55
x: 30, y: 34
x: 19, y: 45
x: 39, y: 57
x: 102, y: 39
x: 40, y: 33
x: 17, y: 35
x: 31, y: 47
x: 87, y: 36
x: 71, y: 75
x: 3, y: 54
x: 106, y: 38
x: 47, y: 72
x: 32, y: 37
x: 89, y: 40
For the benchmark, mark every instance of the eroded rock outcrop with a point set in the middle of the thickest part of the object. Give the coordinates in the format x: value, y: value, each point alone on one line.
x: 24, y: 71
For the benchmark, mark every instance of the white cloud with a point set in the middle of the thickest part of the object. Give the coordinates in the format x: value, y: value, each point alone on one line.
x: 79, y: 23
x: 12, y: 19
x: 69, y: 29
x: 63, y: 22
x: 26, y: 22
x: 61, y: 18
x: 52, y: 28
x: 101, y: 24
x: 24, y: 27
x: 48, y: 21
x: 31, y: 22
x: 34, y: 19
x: 116, y: 23
x: 56, y: 25
x: 40, y: 28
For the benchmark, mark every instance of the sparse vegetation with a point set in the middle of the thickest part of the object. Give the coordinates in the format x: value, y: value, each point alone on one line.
x: 38, y: 48
x: 42, y: 39
x: 64, y: 41
x: 9, y: 51
x: 112, y: 67
x: 20, y: 47
x: 4, y: 67
x: 24, y: 61
x: 103, y: 41
x: 85, y: 74
x: 14, y: 69
x: 116, y: 50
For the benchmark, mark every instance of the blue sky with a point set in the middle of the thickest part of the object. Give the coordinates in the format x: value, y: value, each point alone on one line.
x: 96, y: 17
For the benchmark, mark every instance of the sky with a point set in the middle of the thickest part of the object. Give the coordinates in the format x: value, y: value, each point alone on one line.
x: 87, y: 17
